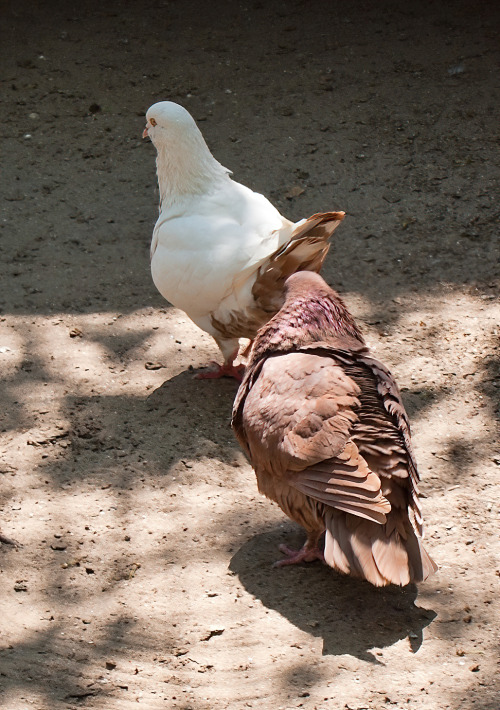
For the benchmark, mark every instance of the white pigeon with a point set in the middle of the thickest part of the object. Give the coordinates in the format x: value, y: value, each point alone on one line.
x: 221, y: 252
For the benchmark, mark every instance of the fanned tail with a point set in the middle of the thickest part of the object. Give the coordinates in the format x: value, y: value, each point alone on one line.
x: 382, y: 554
x: 306, y: 251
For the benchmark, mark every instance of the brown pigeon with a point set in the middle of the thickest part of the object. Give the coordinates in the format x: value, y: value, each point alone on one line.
x: 326, y: 431
x: 220, y: 251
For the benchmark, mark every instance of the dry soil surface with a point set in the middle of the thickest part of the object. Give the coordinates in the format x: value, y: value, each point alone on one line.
x: 144, y: 576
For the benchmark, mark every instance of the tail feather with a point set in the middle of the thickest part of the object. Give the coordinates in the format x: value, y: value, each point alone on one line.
x: 367, y: 550
x: 421, y: 563
x: 305, y: 251
x: 391, y: 558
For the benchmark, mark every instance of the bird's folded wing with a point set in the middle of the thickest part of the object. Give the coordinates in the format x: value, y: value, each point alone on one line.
x: 346, y: 483
x: 386, y: 388
x: 237, y: 423
x: 382, y: 432
x: 305, y: 251
x: 298, y: 410
x: 390, y: 395
x: 294, y: 419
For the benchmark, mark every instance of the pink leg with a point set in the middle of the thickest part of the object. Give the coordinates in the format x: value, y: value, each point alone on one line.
x: 309, y: 552
x: 225, y: 370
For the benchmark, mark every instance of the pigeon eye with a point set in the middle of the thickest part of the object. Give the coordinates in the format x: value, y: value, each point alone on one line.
x: 152, y: 121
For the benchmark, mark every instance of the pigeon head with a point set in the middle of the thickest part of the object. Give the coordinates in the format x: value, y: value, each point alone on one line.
x: 312, y: 313
x: 303, y: 283
x: 165, y: 119
x: 185, y: 165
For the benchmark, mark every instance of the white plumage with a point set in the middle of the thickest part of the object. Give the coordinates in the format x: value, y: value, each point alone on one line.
x: 220, y: 252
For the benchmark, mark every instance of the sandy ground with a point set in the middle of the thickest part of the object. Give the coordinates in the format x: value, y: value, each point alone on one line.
x: 144, y: 576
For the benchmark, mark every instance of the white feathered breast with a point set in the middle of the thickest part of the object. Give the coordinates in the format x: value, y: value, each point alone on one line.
x: 205, y: 249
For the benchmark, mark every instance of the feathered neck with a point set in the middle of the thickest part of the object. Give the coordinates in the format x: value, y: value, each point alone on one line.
x: 185, y: 167
x: 305, y: 320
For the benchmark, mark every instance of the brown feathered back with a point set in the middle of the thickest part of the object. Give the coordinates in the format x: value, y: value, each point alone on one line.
x: 325, y: 428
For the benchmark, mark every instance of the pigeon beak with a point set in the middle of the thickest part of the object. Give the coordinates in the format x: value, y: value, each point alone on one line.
x: 145, y: 133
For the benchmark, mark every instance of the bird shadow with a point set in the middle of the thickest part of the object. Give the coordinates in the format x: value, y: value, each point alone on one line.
x: 350, y: 615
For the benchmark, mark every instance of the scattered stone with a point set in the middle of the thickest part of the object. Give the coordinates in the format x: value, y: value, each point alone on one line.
x: 153, y: 366
x: 294, y: 191
x: 214, y: 631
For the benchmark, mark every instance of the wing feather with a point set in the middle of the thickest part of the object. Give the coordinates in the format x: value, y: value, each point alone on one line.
x: 295, y: 419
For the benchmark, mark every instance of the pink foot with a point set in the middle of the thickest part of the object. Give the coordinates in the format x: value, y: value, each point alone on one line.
x: 307, y: 553
x: 225, y: 370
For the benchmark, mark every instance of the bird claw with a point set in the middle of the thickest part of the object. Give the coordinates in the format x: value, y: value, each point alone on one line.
x: 225, y: 370
x: 295, y: 557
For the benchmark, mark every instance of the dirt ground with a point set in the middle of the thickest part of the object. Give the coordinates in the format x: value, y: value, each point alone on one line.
x: 144, y: 575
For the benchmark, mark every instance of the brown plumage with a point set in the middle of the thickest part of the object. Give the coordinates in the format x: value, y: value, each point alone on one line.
x: 328, y: 436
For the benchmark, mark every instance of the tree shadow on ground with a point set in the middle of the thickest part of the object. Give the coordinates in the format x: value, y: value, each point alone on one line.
x: 489, y: 384
x: 207, y: 404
